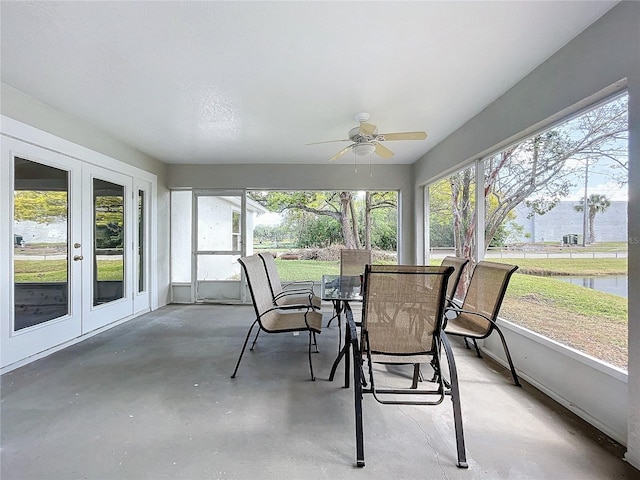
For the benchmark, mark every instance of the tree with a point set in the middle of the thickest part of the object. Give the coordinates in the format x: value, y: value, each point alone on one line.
x: 317, y: 231
x: 377, y: 201
x: 342, y: 207
x: 440, y: 214
x: 537, y: 172
x: 336, y: 205
x: 40, y: 206
x: 596, y: 203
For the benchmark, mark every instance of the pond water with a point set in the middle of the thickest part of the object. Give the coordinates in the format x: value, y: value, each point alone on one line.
x: 615, y: 284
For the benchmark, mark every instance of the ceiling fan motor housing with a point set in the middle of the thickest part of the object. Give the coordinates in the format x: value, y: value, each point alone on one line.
x: 355, y: 135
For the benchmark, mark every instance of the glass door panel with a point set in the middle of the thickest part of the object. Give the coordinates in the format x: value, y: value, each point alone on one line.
x: 141, y: 246
x: 108, y: 251
x: 141, y: 263
x: 41, y: 243
x: 41, y: 295
x: 108, y: 223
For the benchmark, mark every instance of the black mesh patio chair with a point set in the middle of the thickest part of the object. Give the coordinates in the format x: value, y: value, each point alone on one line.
x: 476, y: 318
x: 291, y: 293
x: 272, y: 318
x: 401, y: 324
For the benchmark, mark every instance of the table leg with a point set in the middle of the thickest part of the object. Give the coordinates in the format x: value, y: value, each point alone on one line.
x: 337, y: 305
x: 357, y: 392
x: 336, y: 362
x: 344, y: 351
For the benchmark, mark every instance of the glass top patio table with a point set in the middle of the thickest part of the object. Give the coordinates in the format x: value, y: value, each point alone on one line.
x: 341, y: 288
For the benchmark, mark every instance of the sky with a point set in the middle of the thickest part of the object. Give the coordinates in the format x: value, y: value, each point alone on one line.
x: 600, y: 182
x: 269, y: 218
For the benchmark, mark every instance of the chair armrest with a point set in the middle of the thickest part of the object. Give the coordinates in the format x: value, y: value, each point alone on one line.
x: 288, y: 307
x: 468, y: 312
x: 294, y: 292
x: 310, y: 284
x: 454, y: 303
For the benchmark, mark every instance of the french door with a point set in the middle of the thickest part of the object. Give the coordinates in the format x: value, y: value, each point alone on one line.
x: 74, y: 252
x: 107, y: 233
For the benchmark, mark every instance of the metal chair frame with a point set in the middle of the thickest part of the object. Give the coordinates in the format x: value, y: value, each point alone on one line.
x: 458, y: 263
x: 467, y: 308
x: 276, y: 319
x: 417, y: 312
x: 290, y: 293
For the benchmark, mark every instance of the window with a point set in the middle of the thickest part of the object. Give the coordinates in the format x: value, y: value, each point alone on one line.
x: 235, y: 230
x: 555, y: 204
x: 307, y: 229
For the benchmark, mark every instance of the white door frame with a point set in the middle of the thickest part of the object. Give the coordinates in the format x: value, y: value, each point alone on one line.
x: 141, y: 298
x: 96, y: 316
x: 34, y: 339
x: 225, y: 294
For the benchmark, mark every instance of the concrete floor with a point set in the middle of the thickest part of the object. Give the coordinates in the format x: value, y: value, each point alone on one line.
x: 152, y: 398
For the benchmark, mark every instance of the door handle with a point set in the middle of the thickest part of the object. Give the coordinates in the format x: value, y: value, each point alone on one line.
x: 78, y: 257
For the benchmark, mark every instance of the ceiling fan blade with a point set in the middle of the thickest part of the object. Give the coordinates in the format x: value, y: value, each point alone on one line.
x: 383, y: 151
x: 403, y: 136
x: 367, y: 128
x: 328, y: 141
x: 340, y: 153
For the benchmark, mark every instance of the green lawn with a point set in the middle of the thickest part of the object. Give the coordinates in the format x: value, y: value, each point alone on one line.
x: 568, y: 266
x: 568, y: 297
x: 56, y: 270
x: 296, y: 270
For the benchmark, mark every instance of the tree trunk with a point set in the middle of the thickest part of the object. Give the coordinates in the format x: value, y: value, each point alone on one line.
x: 367, y: 220
x: 347, y: 233
x: 354, y: 224
x: 592, y: 228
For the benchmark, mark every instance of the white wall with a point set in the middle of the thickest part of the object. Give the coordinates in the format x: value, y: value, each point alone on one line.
x: 595, y: 61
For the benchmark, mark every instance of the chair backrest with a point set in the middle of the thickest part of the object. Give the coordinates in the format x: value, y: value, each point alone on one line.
x: 486, y: 290
x: 458, y: 264
x: 258, y: 286
x: 273, y: 279
x: 403, y: 308
x: 352, y: 261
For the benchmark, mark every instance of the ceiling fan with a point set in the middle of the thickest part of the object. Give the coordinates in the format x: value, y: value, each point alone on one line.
x: 366, y: 139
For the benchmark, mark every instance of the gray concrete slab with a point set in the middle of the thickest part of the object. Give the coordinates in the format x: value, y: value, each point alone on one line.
x: 153, y: 399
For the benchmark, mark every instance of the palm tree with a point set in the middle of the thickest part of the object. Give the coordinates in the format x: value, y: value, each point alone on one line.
x: 596, y: 203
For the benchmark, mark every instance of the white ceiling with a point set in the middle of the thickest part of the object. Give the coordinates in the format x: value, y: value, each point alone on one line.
x: 251, y: 82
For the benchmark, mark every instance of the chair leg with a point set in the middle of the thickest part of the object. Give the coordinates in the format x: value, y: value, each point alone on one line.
x: 506, y: 351
x: 475, y: 344
x: 243, y: 347
x: 315, y: 342
x: 313, y: 378
x: 416, y: 375
x: 455, y: 399
x: 255, y: 340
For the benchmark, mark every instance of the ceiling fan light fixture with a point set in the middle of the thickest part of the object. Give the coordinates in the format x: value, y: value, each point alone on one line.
x: 365, y: 148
